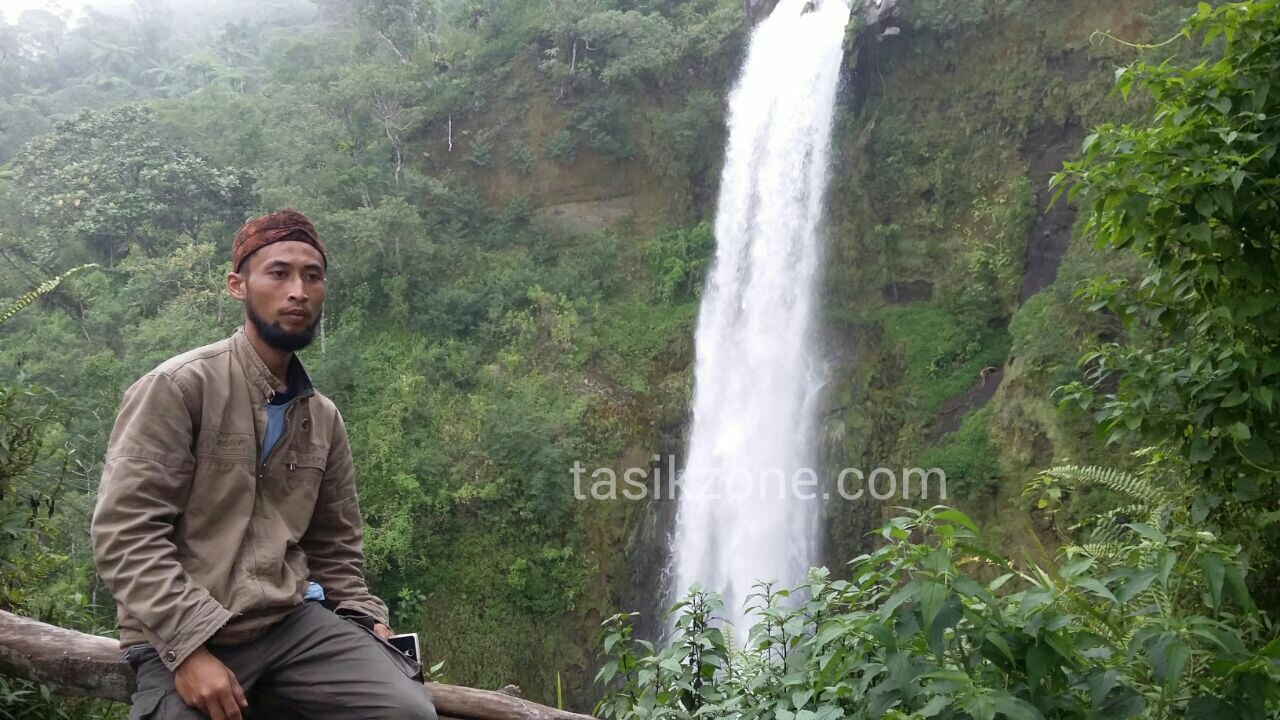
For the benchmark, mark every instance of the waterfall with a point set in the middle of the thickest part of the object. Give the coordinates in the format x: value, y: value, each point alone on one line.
x: 740, y: 518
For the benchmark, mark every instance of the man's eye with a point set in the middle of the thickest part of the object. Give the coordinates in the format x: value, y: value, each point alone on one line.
x: 277, y: 274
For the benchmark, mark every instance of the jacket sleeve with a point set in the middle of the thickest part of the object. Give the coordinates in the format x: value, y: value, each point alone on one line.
x: 145, y: 483
x: 334, y: 542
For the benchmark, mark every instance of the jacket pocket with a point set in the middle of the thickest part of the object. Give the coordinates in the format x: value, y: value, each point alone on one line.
x: 145, y: 704
x: 138, y: 654
x: 304, y: 467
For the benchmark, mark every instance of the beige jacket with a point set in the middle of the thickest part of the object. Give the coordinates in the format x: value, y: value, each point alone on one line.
x: 199, y: 538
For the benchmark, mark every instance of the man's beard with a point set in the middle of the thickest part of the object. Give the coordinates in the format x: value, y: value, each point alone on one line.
x: 279, y: 338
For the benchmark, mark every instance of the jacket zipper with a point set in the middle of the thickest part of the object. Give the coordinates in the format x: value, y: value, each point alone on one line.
x: 262, y: 476
x: 284, y: 432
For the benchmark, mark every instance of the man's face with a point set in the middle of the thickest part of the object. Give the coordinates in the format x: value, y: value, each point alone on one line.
x: 282, y: 288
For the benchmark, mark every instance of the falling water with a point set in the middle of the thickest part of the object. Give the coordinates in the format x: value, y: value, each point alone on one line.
x: 758, y: 372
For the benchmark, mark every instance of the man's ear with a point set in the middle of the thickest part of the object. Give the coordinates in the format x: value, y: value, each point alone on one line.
x: 236, y: 285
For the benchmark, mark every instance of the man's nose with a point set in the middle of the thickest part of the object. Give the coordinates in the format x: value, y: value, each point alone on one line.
x: 297, y: 288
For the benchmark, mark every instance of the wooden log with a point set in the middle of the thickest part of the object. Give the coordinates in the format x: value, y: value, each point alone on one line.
x: 76, y: 663
x: 471, y: 704
x: 69, y: 662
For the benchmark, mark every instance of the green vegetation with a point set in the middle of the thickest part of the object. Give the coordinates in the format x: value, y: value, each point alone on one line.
x: 474, y: 352
x: 936, y: 624
x: 948, y: 136
x: 34, y: 562
x: 1191, y: 193
x: 971, y: 460
x: 477, y: 348
x: 943, y: 354
x: 1146, y: 610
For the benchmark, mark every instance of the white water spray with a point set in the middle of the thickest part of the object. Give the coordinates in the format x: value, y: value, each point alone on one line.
x: 757, y: 372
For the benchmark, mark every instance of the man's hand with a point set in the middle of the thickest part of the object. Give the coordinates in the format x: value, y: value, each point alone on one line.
x: 207, y: 685
x: 382, y: 631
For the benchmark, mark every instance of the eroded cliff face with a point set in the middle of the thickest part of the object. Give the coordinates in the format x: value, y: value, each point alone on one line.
x: 950, y: 270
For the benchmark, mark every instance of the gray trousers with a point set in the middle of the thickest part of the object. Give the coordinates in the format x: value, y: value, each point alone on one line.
x: 312, y: 664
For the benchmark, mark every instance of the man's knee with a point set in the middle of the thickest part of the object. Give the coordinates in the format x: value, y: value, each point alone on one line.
x: 425, y: 711
x: 417, y: 703
x: 403, y: 699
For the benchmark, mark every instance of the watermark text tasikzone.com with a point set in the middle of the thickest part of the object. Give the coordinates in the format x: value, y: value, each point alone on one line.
x: 665, y: 483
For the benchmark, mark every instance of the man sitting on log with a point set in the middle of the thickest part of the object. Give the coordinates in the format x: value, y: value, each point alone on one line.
x: 228, y: 485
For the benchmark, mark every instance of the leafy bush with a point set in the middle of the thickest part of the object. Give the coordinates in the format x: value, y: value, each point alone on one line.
x: 935, y: 625
x: 677, y: 260
x: 522, y: 158
x: 601, y: 120
x: 31, y: 536
x: 480, y: 152
x: 1189, y: 191
x: 635, y: 46
x: 563, y: 146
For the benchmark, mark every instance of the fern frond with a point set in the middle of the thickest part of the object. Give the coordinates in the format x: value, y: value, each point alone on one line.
x: 1118, y: 517
x: 41, y: 290
x: 1133, y: 486
x: 1106, y: 549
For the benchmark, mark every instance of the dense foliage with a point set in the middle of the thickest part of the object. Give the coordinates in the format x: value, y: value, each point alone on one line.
x: 1192, y: 193
x: 474, y: 352
x: 477, y: 349
x: 936, y: 625
x: 1146, y: 611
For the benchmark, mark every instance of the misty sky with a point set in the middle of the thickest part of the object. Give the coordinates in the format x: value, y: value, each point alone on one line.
x: 198, y: 12
x: 13, y: 8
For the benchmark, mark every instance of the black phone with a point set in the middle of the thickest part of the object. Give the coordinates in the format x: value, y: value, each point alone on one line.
x: 407, y: 644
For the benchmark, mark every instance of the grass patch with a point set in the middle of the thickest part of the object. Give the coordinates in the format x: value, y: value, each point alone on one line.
x: 943, y: 354
x: 635, y: 334
x: 969, y: 458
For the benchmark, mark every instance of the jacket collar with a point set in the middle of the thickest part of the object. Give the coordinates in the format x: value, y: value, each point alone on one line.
x: 260, y: 376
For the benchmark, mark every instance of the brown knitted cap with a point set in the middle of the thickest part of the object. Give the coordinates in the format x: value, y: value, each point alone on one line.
x: 287, y: 224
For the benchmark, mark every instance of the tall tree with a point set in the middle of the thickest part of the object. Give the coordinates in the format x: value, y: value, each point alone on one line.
x: 103, y: 182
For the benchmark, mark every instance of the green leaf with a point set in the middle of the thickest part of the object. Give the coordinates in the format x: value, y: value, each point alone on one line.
x: 999, y: 643
x: 1135, y: 584
x: 607, y: 672
x: 935, y: 706
x: 1042, y: 659
x: 956, y: 517
x: 1168, y: 655
x: 1095, y: 587
x: 800, y: 698
x: 907, y: 592
x: 1215, y: 574
x: 1150, y: 533
x: 932, y: 597
x: 1016, y: 709
x: 671, y: 665
x: 1240, y: 591
x: 1257, y: 451
x: 1205, y: 205
x: 1211, y: 708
